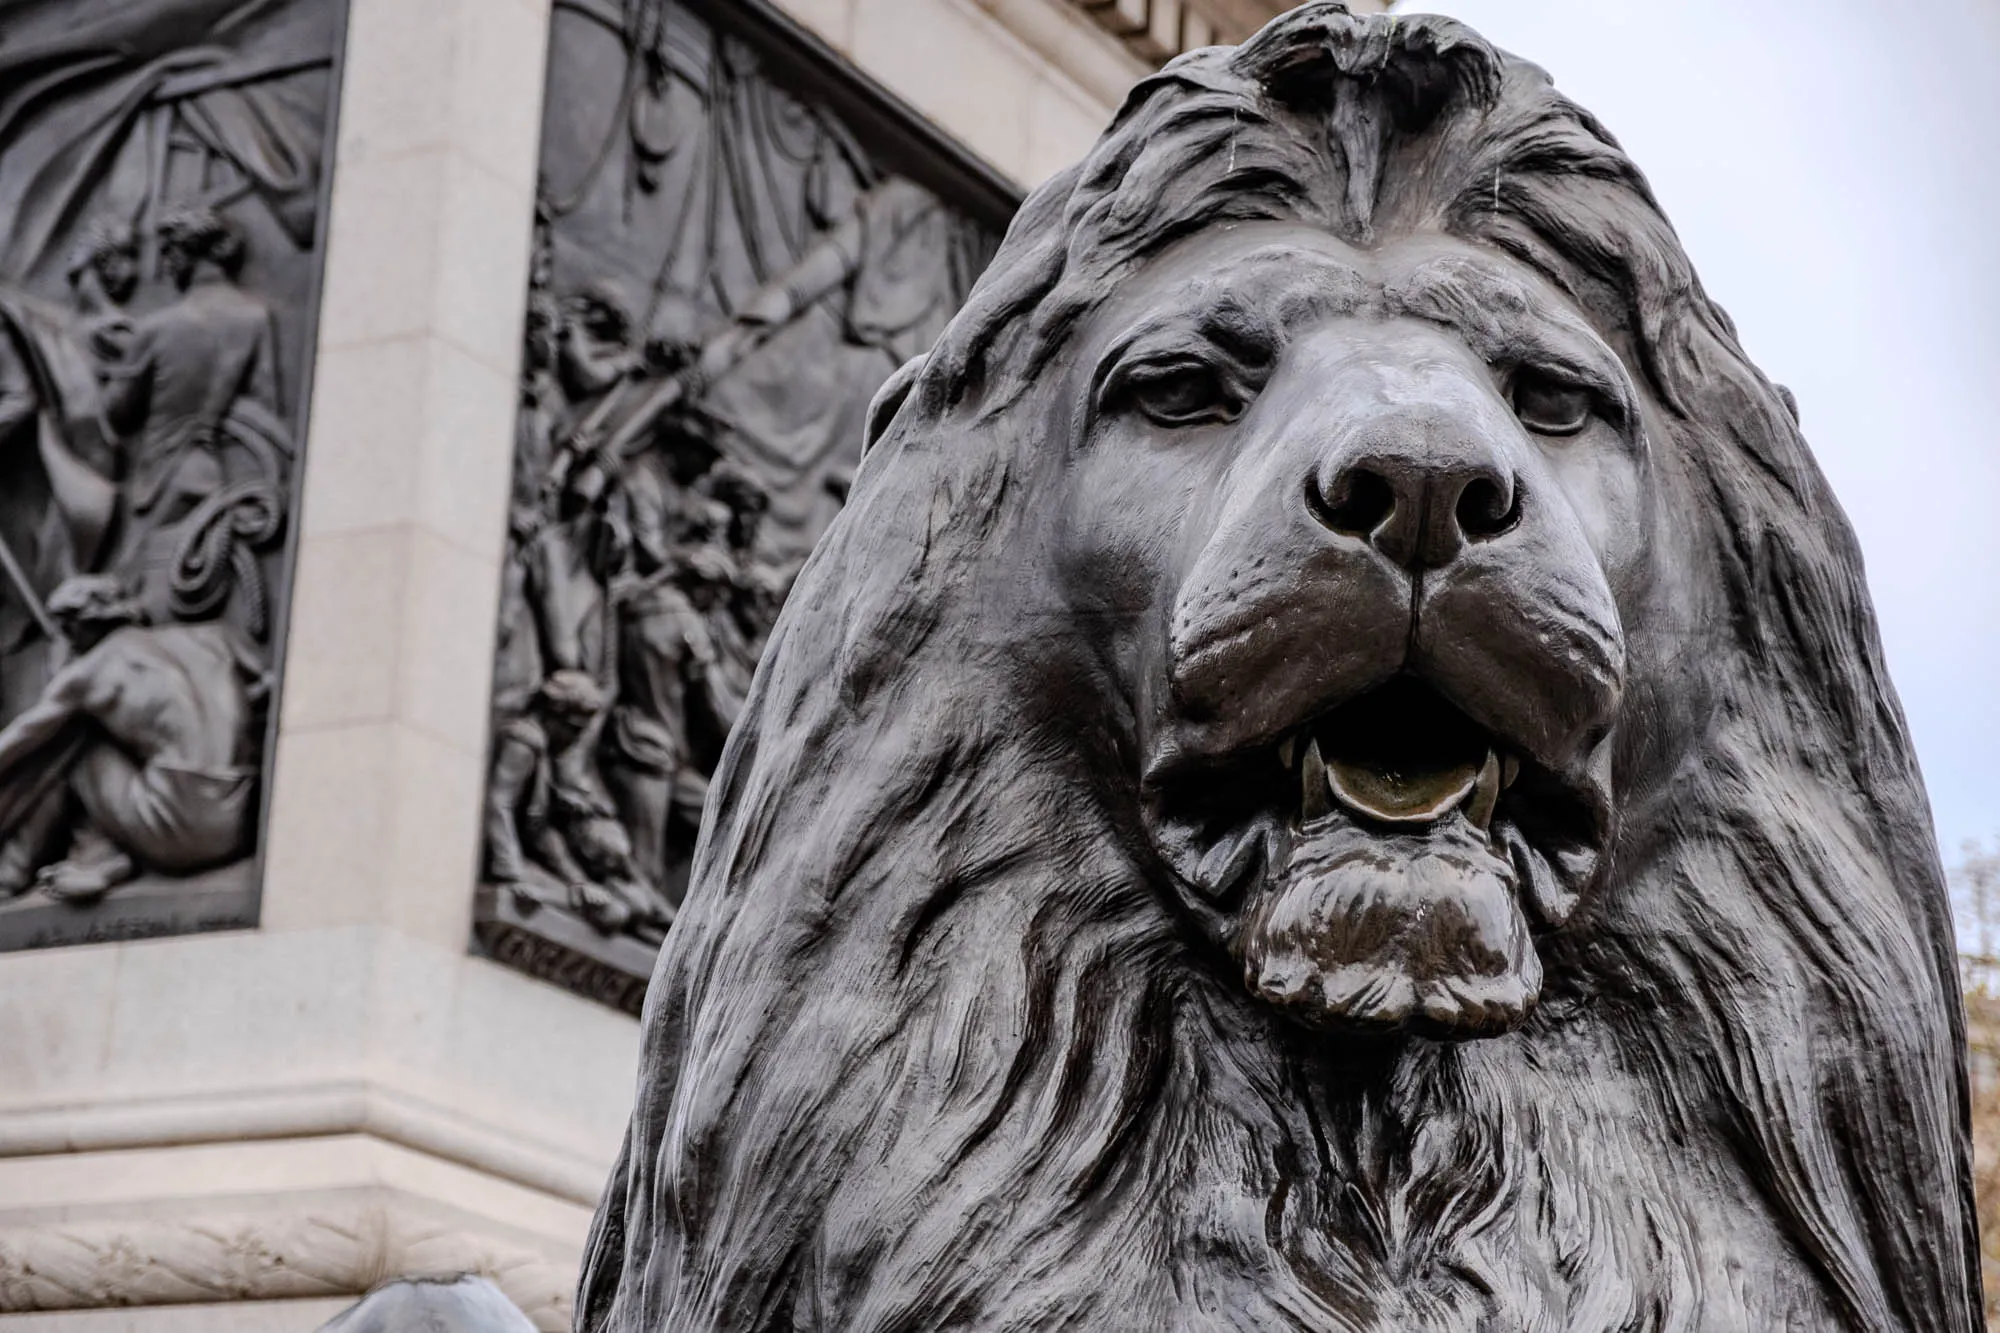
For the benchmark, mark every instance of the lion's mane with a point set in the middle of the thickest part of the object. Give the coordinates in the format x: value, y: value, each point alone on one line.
x: 928, y: 1049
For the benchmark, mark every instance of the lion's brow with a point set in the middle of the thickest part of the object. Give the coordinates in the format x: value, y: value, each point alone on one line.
x: 1264, y: 291
x: 1502, y: 318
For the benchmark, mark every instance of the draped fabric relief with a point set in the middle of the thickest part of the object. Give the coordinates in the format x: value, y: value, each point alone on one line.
x: 161, y: 174
x: 726, y: 271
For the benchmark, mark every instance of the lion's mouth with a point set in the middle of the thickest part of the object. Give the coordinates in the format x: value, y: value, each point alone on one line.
x: 1387, y: 864
x: 1401, y: 757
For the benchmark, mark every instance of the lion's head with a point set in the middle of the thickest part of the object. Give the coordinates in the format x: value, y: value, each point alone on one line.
x: 1336, y: 773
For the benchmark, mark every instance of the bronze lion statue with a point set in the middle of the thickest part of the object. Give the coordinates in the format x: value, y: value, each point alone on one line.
x: 1336, y: 773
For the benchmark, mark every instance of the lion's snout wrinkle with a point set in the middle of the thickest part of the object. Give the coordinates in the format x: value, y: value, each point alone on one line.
x: 1388, y: 516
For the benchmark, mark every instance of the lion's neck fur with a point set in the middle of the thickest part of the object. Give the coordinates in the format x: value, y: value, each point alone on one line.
x: 1029, y: 1104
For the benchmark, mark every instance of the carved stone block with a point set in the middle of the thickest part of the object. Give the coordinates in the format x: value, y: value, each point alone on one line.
x: 162, y: 173
x: 737, y: 244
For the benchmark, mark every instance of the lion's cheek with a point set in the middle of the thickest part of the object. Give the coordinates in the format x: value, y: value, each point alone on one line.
x: 1418, y: 933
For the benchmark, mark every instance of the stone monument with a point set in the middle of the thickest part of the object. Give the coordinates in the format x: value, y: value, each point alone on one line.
x: 735, y: 247
x: 161, y: 172
x: 1334, y: 772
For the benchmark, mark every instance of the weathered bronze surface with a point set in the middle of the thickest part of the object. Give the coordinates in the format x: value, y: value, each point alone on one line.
x: 736, y: 245
x: 162, y: 164
x: 1334, y: 773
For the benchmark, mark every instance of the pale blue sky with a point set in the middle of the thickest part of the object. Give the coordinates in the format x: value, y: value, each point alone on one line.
x: 1834, y: 168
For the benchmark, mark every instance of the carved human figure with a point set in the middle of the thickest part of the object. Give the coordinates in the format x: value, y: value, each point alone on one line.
x: 547, y: 842
x: 741, y: 623
x: 669, y: 682
x: 544, y: 405
x: 598, y: 348
x: 518, y: 659
x: 599, y: 340
x: 57, y: 496
x: 103, y: 269
x: 178, y: 376
x: 572, y: 555
x: 142, y: 749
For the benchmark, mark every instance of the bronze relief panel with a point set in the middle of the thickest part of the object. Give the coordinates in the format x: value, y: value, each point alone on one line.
x: 737, y: 243
x: 162, y: 174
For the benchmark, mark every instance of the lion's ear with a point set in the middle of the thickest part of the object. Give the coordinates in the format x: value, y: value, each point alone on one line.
x: 889, y: 400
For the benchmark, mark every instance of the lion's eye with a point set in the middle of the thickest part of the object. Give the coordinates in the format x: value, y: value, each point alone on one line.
x: 1180, y: 393
x: 1549, y: 406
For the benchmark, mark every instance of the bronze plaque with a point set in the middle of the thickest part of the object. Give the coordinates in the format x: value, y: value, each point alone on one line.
x: 163, y: 166
x: 738, y: 242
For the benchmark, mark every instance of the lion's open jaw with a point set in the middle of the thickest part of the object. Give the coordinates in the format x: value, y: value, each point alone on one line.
x: 1398, y: 756
x: 1385, y: 865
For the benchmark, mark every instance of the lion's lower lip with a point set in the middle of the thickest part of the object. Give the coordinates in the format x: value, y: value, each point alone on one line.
x: 1393, y: 933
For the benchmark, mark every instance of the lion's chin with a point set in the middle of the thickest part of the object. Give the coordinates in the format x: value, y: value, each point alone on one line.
x: 1387, y: 865
x: 1419, y: 932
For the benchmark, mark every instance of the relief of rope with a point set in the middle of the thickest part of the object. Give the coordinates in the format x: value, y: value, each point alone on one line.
x: 217, y: 552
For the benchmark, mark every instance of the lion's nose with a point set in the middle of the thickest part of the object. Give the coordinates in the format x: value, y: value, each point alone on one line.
x: 1419, y: 506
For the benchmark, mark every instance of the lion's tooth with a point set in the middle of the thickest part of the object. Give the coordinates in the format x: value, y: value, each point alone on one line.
x: 1287, y: 748
x: 1510, y: 768
x: 1315, y: 788
x: 1230, y: 861
x: 1485, y: 793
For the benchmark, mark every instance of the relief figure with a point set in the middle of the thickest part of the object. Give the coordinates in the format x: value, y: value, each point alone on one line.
x: 141, y: 749
x: 192, y: 389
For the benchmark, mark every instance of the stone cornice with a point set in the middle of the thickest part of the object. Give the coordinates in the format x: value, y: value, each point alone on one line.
x: 272, y: 1221
x: 334, y: 1246
x: 384, y: 1112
